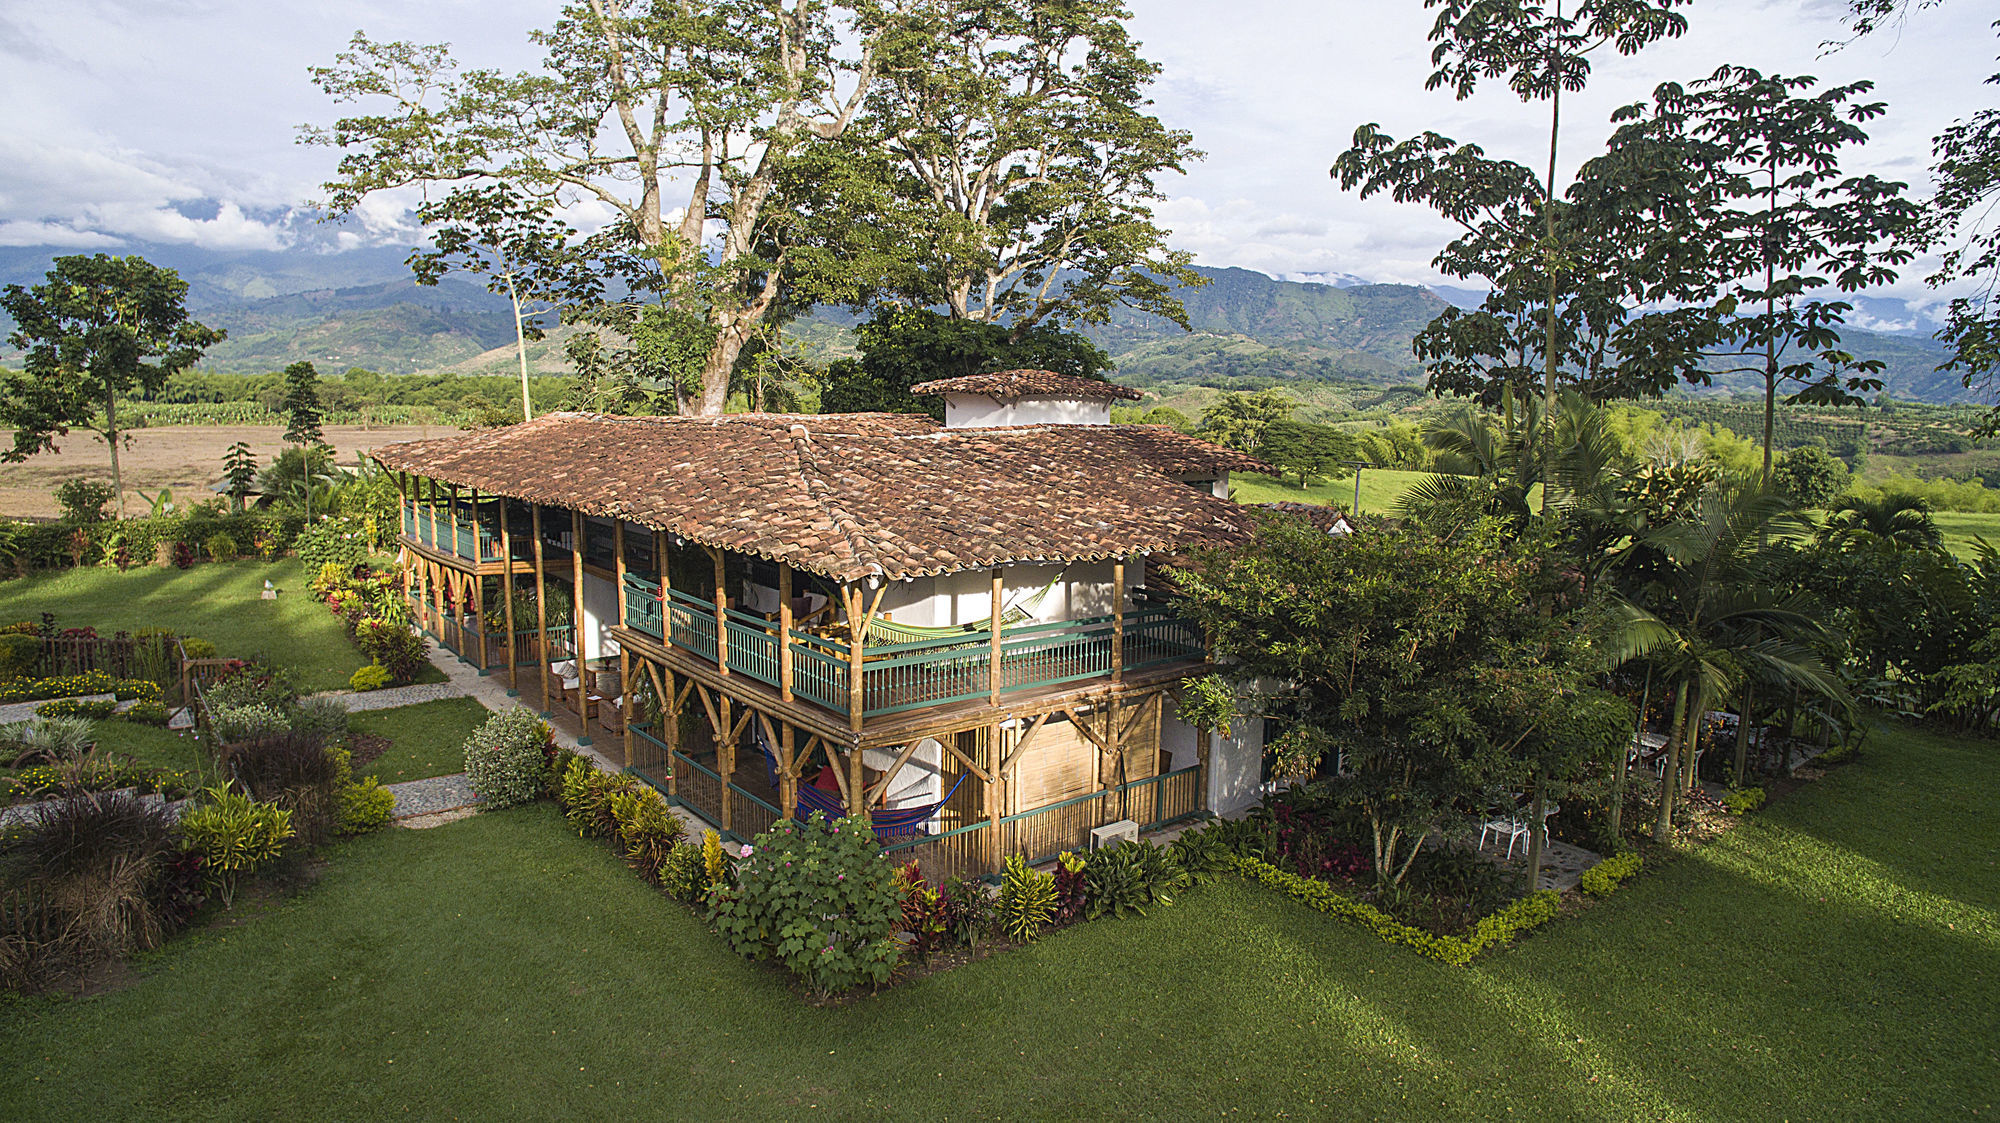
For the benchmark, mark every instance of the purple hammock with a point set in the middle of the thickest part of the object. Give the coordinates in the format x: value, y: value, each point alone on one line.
x: 902, y: 822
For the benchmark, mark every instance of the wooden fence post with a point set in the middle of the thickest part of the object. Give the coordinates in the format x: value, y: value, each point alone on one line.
x: 541, y: 606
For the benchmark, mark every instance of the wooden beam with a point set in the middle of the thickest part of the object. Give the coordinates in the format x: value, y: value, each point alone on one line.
x: 541, y: 605
x: 788, y: 772
x: 670, y: 718
x: 721, y: 611
x: 725, y: 760
x: 971, y: 765
x: 1021, y: 744
x: 1118, y: 620
x: 993, y: 640
x: 785, y: 630
x: 856, y: 651
x: 507, y: 592
x: 881, y: 787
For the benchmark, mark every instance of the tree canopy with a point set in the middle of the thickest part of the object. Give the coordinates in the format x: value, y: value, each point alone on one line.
x: 97, y: 329
x: 901, y: 347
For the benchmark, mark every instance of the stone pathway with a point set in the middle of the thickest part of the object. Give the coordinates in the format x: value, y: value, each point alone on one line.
x: 428, y: 797
x: 388, y: 698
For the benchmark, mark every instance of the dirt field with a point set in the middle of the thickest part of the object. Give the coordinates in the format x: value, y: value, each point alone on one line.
x: 186, y: 458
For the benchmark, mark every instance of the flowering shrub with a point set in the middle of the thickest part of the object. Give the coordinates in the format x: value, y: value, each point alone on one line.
x: 400, y: 651
x: 71, y: 686
x: 337, y: 541
x: 74, y: 707
x: 818, y: 898
x: 504, y: 758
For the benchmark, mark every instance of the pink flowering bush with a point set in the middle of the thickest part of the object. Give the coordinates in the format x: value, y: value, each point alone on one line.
x: 818, y: 898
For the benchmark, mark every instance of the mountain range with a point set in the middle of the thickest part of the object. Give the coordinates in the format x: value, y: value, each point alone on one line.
x: 361, y: 307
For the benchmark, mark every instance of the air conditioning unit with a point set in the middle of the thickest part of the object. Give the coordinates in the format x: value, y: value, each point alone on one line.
x: 1111, y: 834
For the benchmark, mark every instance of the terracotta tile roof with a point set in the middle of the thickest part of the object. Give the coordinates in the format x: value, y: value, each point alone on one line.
x: 1008, y: 384
x: 848, y: 496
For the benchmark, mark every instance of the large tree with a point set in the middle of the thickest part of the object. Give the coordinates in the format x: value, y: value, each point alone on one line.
x: 901, y: 347
x: 1777, y: 224
x: 1549, y: 303
x: 97, y: 329
x: 690, y: 122
x: 1024, y: 159
x: 525, y: 252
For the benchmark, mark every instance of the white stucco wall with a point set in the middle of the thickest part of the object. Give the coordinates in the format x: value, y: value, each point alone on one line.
x: 959, y: 598
x: 977, y: 411
x: 599, y: 612
x: 1235, y: 763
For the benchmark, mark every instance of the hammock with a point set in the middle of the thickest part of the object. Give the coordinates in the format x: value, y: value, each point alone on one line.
x: 900, y: 822
x: 1025, y: 608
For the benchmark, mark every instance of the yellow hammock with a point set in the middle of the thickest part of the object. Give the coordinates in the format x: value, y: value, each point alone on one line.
x: 1024, y: 609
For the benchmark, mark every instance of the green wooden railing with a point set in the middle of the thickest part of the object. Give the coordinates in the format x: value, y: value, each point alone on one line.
x: 470, y: 539
x: 906, y: 676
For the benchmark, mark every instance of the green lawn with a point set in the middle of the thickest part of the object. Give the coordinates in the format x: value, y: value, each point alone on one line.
x: 1959, y: 527
x: 217, y: 601
x: 1380, y: 489
x: 1836, y: 957
x: 429, y: 738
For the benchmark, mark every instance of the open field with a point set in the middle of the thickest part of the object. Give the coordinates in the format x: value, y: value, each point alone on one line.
x: 1837, y: 956
x: 186, y: 458
x: 1380, y: 488
x: 1959, y: 527
x: 218, y: 601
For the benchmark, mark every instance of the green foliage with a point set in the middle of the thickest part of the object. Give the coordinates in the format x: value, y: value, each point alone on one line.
x: 504, y: 758
x: 147, y: 713
x: 1239, y: 420
x: 399, y: 650
x: 1208, y: 702
x: 1525, y: 913
x: 374, y: 676
x: 1306, y: 450
x: 83, y: 500
x: 70, y: 686
x: 1809, y: 476
x: 364, y: 806
x: 97, y: 328
x: 234, y: 723
x: 586, y: 794
x: 646, y: 828
x: 77, y: 707
x: 301, y: 406
x: 220, y: 546
x: 818, y: 898
x: 88, y: 865
x: 1027, y: 900
x: 1202, y: 853
x: 198, y: 648
x: 335, y: 541
x: 1604, y: 877
x: 20, y: 656
x: 683, y: 874
x: 235, y: 835
x: 902, y: 346
x: 1742, y: 801
x: 1126, y: 879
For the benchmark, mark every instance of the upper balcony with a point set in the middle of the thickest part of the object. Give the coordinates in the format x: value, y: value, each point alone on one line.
x: 894, y: 671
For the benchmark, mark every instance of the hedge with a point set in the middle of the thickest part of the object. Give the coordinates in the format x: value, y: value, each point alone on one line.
x: 54, y: 545
x: 1498, y: 927
x: 1600, y: 879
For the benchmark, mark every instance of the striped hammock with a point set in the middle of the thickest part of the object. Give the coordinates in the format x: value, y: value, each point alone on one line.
x: 1024, y: 609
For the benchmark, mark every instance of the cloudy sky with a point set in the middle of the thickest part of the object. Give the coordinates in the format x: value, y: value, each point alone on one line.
x: 174, y: 120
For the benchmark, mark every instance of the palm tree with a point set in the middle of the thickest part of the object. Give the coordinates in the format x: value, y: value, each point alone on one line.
x: 1896, y: 521
x: 1702, y: 608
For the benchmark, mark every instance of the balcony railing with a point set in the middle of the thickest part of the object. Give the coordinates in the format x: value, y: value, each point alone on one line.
x: 470, y: 539
x: 906, y: 676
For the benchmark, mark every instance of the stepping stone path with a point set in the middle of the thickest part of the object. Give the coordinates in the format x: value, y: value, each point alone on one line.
x: 388, y: 698
x: 428, y: 797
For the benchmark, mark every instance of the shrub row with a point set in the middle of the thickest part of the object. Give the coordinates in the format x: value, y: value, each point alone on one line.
x: 161, y: 539
x: 1603, y: 878
x: 1525, y: 913
x: 75, y: 686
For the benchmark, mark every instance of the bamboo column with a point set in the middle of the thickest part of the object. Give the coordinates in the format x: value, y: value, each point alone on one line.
x: 541, y: 605
x: 451, y: 515
x: 857, y: 786
x: 625, y: 698
x: 788, y: 771
x: 996, y: 854
x: 576, y: 543
x: 725, y: 757
x: 1118, y: 620
x: 993, y: 627
x: 437, y: 596
x: 785, y: 632
x: 618, y: 547
x: 507, y: 593
x: 660, y: 574
x: 721, y: 613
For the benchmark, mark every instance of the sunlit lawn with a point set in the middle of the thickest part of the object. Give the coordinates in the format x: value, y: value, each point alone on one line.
x: 428, y: 738
x: 1959, y: 527
x: 1835, y: 957
x: 218, y: 601
x: 1380, y: 489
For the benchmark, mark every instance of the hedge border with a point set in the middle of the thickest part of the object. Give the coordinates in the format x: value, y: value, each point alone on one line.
x: 1528, y: 912
x: 1602, y: 879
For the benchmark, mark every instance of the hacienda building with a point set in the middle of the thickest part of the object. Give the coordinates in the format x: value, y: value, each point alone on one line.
x: 959, y: 631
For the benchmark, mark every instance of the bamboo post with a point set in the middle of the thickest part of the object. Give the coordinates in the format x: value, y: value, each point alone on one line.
x: 670, y: 720
x: 785, y: 630
x: 618, y: 546
x: 1118, y: 620
x: 451, y: 515
x: 660, y: 575
x: 576, y: 542
x: 993, y: 627
x: 850, y: 599
x: 788, y: 772
x: 857, y: 787
x: 541, y: 605
x: 996, y: 853
x: 507, y: 612
x: 725, y: 758
x: 721, y: 613
x: 437, y: 596
x: 625, y: 699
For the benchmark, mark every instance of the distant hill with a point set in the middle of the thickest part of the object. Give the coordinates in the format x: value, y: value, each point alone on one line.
x: 361, y: 308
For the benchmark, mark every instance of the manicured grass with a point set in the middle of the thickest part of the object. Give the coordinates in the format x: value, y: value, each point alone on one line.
x: 429, y: 738
x: 1380, y: 489
x: 218, y: 601
x: 1836, y: 957
x: 152, y: 746
x: 1959, y: 527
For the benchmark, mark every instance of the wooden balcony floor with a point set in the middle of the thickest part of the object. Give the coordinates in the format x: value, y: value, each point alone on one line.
x: 898, y: 728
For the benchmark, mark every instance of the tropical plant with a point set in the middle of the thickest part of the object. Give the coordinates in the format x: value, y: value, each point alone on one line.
x: 235, y: 835
x: 1027, y: 900
x: 818, y: 898
x: 504, y: 758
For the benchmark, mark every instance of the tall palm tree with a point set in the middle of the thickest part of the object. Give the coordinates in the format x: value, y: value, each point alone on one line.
x: 1702, y: 607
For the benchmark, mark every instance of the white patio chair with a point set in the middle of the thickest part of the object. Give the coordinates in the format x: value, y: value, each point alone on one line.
x: 1513, y: 828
